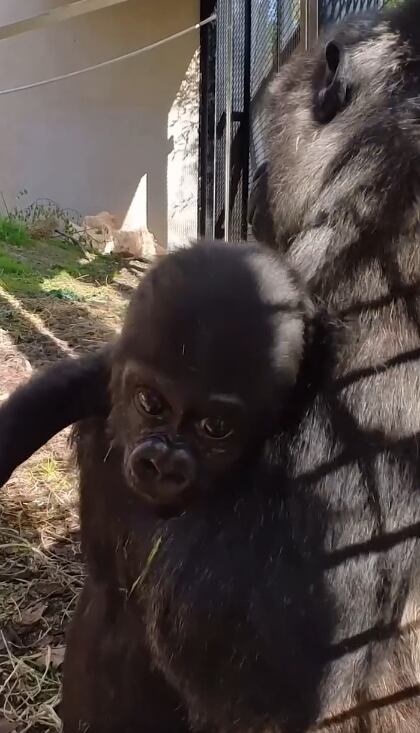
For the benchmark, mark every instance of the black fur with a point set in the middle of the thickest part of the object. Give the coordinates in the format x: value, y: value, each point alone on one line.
x: 259, y: 211
x: 344, y: 188
x: 179, y: 605
x: 58, y: 396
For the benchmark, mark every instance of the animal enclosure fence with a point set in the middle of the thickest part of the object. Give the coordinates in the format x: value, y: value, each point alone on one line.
x: 250, y: 40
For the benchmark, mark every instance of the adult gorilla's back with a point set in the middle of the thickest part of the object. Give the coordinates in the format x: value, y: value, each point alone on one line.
x: 344, y: 182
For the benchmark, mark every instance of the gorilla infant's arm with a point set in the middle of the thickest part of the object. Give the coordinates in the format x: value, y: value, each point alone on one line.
x: 66, y: 392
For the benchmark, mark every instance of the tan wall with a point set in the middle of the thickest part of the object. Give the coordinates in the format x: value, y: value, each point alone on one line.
x: 95, y: 141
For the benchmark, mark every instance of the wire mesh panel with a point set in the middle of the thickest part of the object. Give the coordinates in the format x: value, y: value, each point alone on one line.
x: 206, y: 180
x: 264, y: 60
x: 288, y: 29
x: 254, y: 57
x: 235, y: 135
x: 220, y: 117
x: 265, y: 33
x: 330, y: 11
x: 240, y: 116
x: 275, y: 35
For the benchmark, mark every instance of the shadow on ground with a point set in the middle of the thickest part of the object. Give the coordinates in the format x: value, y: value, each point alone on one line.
x: 40, y: 578
x: 54, y: 301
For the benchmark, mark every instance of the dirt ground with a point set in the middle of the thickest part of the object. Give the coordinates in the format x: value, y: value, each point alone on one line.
x: 53, y: 302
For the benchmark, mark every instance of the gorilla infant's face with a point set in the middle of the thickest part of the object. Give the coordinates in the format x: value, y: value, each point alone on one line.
x: 210, y: 348
x: 180, y: 437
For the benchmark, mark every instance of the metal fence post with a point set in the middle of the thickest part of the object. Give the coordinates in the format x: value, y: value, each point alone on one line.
x: 303, y: 25
x: 206, y: 134
x: 229, y: 101
x: 309, y: 23
x: 213, y: 190
x: 313, y: 23
x: 246, y: 119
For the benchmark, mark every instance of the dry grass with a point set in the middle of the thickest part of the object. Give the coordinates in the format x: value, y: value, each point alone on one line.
x: 40, y: 577
x: 41, y: 572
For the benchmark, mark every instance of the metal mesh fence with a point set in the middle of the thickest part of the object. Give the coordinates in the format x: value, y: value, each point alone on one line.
x: 239, y: 130
x: 206, y: 180
x: 255, y: 56
x: 220, y: 117
x: 239, y: 93
x: 331, y: 11
x: 275, y: 35
x: 265, y: 34
x: 288, y: 29
x: 264, y: 53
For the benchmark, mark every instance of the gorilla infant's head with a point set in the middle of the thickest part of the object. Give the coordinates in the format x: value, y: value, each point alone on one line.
x: 210, y: 350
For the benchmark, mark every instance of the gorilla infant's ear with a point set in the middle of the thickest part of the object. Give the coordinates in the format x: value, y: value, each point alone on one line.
x: 331, y: 94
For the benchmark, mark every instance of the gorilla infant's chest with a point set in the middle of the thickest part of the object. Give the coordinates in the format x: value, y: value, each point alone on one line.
x: 224, y: 606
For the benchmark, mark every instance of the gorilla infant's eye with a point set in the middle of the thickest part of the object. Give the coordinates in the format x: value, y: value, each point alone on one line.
x: 215, y: 427
x: 150, y: 402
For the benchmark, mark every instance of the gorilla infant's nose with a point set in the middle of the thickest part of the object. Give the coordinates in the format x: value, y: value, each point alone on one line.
x: 166, y: 469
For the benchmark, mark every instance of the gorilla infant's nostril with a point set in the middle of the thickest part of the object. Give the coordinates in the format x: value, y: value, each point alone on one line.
x: 161, y: 469
x: 146, y: 468
x: 175, y: 478
x: 147, y: 459
x: 179, y: 470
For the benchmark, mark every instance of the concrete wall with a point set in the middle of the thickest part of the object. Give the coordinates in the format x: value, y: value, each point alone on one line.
x: 123, y: 138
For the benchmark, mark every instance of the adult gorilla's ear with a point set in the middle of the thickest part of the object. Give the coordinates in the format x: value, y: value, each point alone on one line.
x: 333, y: 91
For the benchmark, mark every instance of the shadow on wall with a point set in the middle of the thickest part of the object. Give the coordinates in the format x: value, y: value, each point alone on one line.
x: 122, y: 138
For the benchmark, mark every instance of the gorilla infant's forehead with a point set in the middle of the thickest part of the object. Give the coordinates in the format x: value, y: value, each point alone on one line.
x: 229, y: 314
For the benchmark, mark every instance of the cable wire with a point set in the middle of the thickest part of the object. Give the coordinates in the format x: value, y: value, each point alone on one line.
x: 116, y: 60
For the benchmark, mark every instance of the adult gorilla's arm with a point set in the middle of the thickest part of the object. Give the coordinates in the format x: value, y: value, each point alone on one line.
x: 64, y: 393
x: 259, y: 214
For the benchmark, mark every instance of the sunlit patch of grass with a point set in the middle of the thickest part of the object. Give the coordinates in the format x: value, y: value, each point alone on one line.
x: 60, y: 284
x: 17, y: 276
x: 9, y: 265
x: 50, y: 469
x: 13, y: 231
x: 25, y: 286
x: 100, y: 270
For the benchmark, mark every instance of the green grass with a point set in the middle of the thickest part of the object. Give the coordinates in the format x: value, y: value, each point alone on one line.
x: 56, y: 269
x: 13, y: 232
x: 10, y: 266
x: 17, y: 276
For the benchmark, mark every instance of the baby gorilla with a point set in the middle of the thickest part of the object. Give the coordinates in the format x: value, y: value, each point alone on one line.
x: 207, y: 359
x: 211, y: 347
x: 203, y: 372
x: 215, y: 339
